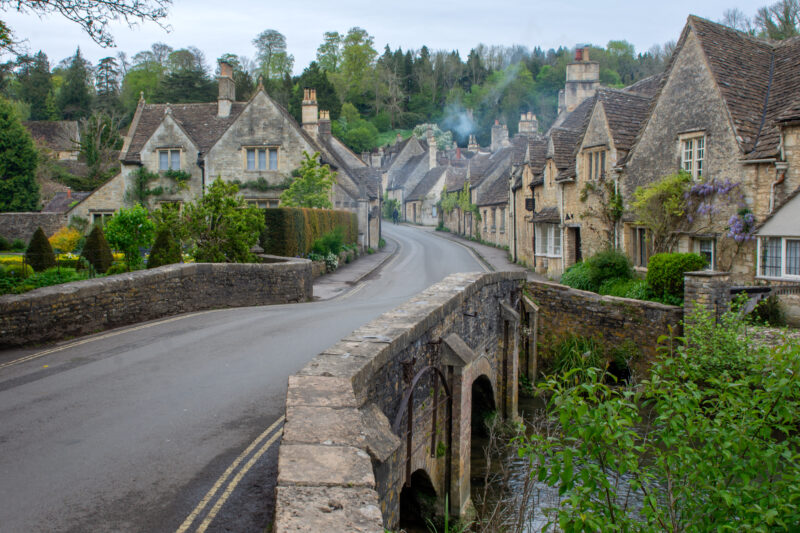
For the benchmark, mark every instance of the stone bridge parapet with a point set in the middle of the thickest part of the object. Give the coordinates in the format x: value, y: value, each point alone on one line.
x: 342, y: 466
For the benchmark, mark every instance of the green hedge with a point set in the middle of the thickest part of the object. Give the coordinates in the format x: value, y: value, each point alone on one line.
x: 291, y: 231
x: 665, y: 273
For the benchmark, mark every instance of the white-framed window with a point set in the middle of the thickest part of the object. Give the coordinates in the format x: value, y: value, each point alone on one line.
x: 707, y: 248
x: 548, y: 240
x: 779, y: 257
x: 693, y: 154
x: 169, y: 159
x: 596, y: 164
x: 261, y: 158
x: 100, y: 218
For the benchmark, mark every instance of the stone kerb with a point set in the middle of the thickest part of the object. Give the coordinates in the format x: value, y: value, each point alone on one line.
x: 83, y: 307
x: 339, y: 461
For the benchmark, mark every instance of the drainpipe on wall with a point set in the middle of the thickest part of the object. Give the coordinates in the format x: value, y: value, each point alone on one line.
x: 780, y: 167
x: 561, y: 218
x: 202, y: 164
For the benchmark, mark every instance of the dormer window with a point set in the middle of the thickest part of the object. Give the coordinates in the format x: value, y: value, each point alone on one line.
x: 693, y: 154
x: 169, y: 159
x: 261, y: 159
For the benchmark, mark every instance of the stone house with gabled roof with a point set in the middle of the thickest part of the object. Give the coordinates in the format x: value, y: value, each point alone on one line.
x: 525, y: 176
x: 421, y: 205
x: 256, y: 144
x: 717, y: 115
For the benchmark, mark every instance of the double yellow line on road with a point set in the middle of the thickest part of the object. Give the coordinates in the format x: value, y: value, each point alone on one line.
x: 262, y: 448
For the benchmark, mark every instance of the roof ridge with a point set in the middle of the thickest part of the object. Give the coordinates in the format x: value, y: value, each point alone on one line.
x: 623, y: 92
x: 757, y: 40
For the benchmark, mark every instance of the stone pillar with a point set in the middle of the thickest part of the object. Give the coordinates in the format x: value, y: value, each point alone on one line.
x: 707, y: 289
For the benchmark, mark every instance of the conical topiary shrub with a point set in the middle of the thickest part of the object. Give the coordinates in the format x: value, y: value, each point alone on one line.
x: 165, y: 251
x: 39, y: 254
x: 96, y: 251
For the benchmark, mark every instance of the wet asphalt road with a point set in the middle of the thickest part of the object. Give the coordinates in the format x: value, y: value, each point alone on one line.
x: 161, y: 426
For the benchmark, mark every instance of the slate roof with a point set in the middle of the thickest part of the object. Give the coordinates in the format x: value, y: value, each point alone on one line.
x: 497, y: 193
x: 579, y: 115
x: 58, y: 135
x: 626, y: 113
x: 648, y: 86
x: 61, y: 203
x: 564, y: 143
x: 454, y: 181
x: 409, y: 167
x: 537, y: 154
x: 791, y: 113
x: 426, y: 184
x: 199, y: 121
x: 546, y: 214
x: 519, y: 146
x: 758, y: 80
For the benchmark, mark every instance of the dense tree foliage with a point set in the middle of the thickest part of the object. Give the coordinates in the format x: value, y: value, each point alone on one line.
x: 18, y: 159
x: 311, y: 186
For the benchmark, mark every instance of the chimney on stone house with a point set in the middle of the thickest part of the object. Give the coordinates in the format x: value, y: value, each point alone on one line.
x: 431, y: 149
x: 324, y: 124
x: 473, y: 144
x: 499, y: 136
x: 227, y: 89
x: 583, y: 79
x: 309, y: 111
x: 528, y: 124
x: 377, y: 158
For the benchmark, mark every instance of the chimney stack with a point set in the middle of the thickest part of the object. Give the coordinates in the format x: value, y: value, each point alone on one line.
x: 473, y: 144
x: 499, y: 136
x: 309, y: 111
x: 69, y: 193
x: 324, y: 124
x: 583, y: 79
x: 227, y: 89
x: 528, y: 124
x: 431, y: 149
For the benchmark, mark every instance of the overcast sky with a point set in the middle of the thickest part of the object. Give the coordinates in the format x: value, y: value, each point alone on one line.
x: 217, y: 27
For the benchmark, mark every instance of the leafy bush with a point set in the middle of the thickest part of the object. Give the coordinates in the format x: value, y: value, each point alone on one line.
x: 609, y: 264
x: 117, y: 268
x: 665, y: 273
x: 66, y: 239
x: 625, y: 288
x: 331, y: 242
x: 577, y: 277
x: 769, y: 311
x: 96, y: 251
x: 165, y: 251
x: 18, y: 271
x: 128, y: 231
x: 39, y: 253
x: 18, y: 245
x: 574, y: 353
x: 5, y: 245
x: 331, y: 262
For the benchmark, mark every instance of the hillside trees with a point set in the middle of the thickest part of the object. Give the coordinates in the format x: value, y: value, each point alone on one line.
x: 18, y: 159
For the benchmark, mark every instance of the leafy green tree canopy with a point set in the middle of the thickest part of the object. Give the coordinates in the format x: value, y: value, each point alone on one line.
x: 128, y: 231
x: 18, y: 159
x: 312, y: 186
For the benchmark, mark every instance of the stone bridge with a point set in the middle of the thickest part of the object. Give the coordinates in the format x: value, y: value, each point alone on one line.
x: 382, y: 421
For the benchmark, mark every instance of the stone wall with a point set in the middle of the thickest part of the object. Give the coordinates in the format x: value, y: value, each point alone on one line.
x: 340, y: 466
x: 22, y: 225
x: 564, y: 310
x: 83, y: 307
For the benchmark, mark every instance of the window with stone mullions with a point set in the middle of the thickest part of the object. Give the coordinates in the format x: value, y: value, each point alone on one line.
x: 693, y: 155
x: 597, y: 164
x: 169, y: 160
x: 257, y: 159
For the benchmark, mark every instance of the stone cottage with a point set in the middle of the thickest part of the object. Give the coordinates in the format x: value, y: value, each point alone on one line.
x: 256, y: 144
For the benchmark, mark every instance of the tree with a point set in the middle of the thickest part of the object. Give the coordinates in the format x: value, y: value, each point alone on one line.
x: 106, y: 80
x: 128, y: 231
x: 779, y: 21
x: 96, y: 251
x: 75, y: 99
x: 242, y: 76
x: 39, y: 254
x: 166, y: 250
x: 66, y: 239
x: 221, y: 227
x: 312, y: 185
x: 329, y: 53
x: 273, y: 59
x: 93, y: 17
x: 100, y: 142
x: 35, y: 83
x: 18, y: 159
x: 315, y: 78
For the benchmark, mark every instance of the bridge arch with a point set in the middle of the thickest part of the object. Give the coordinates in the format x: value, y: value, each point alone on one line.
x: 418, y: 501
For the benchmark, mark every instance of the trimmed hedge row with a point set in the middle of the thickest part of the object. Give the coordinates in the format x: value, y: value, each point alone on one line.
x: 290, y: 231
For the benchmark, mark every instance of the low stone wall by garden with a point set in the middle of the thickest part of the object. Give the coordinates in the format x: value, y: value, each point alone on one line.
x: 564, y: 310
x: 22, y: 225
x: 83, y: 307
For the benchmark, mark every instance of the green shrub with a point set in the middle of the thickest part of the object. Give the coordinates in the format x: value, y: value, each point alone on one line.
x: 574, y: 353
x: 117, y: 268
x: 39, y: 253
x: 577, y: 277
x: 165, y: 251
x: 292, y: 232
x: 18, y: 271
x: 665, y: 274
x: 609, y: 264
x: 769, y: 311
x: 5, y: 245
x: 625, y: 288
x: 96, y: 251
x: 18, y: 245
x: 331, y: 242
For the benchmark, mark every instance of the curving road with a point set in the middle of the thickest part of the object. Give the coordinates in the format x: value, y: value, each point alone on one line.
x: 173, y: 425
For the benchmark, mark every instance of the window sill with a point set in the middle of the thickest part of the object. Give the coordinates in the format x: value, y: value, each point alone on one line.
x: 779, y: 278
